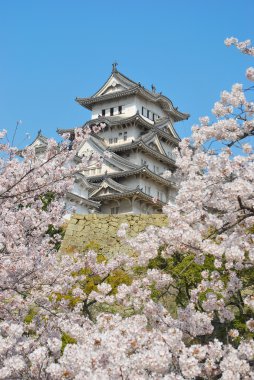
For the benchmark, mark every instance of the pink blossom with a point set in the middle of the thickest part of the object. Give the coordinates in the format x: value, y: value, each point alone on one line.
x: 3, y: 133
x: 250, y: 73
x: 250, y: 324
x: 230, y: 41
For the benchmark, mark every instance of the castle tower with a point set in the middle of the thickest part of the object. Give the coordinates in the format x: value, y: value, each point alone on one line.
x: 138, y: 140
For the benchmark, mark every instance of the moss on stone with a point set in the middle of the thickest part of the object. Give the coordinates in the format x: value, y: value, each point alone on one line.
x: 99, y: 232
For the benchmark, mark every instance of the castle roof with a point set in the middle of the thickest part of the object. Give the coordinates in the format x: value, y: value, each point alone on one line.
x: 139, y: 144
x: 128, y: 173
x: 111, y: 184
x: 120, y: 120
x: 80, y: 200
x: 119, y: 162
x: 40, y: 144
x: 117, y: 191
x: 119, y: 86
x: 130, y: 194
x: 80, y: 178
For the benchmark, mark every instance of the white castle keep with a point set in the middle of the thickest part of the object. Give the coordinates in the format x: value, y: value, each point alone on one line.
x: 139, y: 139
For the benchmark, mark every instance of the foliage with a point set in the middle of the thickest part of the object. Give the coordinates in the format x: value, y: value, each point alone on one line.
x: 66, y: 339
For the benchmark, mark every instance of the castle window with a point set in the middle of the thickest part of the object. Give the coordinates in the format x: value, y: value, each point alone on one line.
x: 149, y: 114
x: 114, y: 210
x: 160, y: 195
x: 103, y: 112
x: 110, y: 141
x: 125, y: 136
x: 92, y: 171
x: 111, y: 111
x: 120, y: 109
x: 115, y: 140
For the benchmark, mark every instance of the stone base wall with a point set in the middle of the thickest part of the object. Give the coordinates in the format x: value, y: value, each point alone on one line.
x: 99, y: 231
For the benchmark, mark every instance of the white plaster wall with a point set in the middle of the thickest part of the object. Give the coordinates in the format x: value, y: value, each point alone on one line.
x: 74, y: 207
x: 144, y: 183
x: 105, y: 167
x: 168, y: 148
x: 131, y: 182
x: 128, y: 104
x: 133, y: 133
x: 137, y: 209
x: 137, y: 157
x: 87, y: 149
x: 141, y: 207
x: 130, y: 207
x: 154, y: 188
x: 80, y: 189
x: 141, y: 102
x: 124, y: 205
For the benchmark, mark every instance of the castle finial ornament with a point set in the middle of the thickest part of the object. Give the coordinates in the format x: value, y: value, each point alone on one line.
x: 114, y: 69
x: 153, y: 88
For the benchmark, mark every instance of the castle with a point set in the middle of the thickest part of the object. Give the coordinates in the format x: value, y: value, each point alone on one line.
x: 136, y: 145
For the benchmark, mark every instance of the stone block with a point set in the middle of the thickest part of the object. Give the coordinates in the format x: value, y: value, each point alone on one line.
x: 72, y: 221
x: 78, y: 216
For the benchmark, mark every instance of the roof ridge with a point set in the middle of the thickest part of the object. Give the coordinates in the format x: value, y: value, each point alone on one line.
x: 124, y: 76
x: 116, y: 184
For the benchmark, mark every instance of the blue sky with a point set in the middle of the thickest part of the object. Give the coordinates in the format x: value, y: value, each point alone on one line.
x: 55, y: 50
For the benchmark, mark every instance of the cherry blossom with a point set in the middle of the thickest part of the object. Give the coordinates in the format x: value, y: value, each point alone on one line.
x: 60, y: 315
